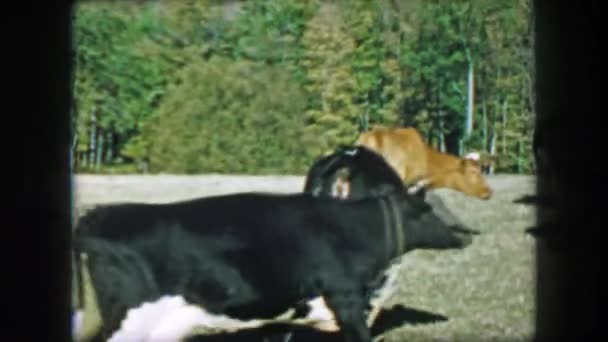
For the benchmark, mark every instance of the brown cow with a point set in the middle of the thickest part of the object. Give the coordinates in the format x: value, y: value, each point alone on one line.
x: 416, y: 162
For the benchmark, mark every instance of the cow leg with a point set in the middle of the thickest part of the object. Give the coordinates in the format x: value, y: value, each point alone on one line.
x: 279, y: 338
x: 348, y: 307
x: 383, y: 293
x: 373, y: 314
x: 287, y: 337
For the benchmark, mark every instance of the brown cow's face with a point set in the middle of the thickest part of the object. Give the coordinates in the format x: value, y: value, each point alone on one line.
x: 471, y: 181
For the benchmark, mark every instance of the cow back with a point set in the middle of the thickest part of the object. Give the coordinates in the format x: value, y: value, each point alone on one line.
x: 403, y: 148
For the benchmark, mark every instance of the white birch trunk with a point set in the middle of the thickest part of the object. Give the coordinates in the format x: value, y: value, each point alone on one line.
x: 470, y: 98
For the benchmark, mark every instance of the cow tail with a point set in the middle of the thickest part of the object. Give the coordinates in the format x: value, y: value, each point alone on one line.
x: 85, y: 303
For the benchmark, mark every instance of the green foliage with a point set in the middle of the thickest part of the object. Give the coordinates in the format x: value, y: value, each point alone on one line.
x: 270, y: 30
x: 233, y: 117
x: 265, y: 86
x: 374, y: 68
x: 333, y: 117
x: 437, y: 62
x: 450, y: 38
x: 120, y: 75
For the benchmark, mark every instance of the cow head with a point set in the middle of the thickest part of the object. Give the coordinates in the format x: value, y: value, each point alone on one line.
x: 467, y: 178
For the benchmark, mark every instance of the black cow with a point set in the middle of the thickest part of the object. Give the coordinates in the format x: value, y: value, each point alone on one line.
x: 357, y: 172
x: 255, y: 255
x: 122, y: 279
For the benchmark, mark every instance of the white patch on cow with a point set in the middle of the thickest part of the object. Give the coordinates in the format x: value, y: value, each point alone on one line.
x: 77, y: 323
x: 351, y: 152
x: 148, y: 320
x: 319, y: 310
x: 322, y: 318
x: 473, y: 156
x: 345, y: 190
x: 384, y: 292
x: 335, y: 190
x: 171, y: 318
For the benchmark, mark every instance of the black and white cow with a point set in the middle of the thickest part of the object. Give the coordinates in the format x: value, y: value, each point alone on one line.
x: 357, y: 172
x: 254, y: 256
x: 121, y: 279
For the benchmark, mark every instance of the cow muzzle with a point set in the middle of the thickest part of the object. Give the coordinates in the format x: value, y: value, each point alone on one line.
x: 486, y: 195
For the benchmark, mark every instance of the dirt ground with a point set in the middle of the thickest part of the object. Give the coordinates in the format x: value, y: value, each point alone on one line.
x: 482, y: 293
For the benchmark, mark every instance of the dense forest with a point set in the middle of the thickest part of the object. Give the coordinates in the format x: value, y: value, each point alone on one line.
x: 266, y: 86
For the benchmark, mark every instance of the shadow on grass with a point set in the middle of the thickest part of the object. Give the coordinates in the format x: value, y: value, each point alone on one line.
x: 400, y: 315
x: 534, y: 200
x: 395, y: 317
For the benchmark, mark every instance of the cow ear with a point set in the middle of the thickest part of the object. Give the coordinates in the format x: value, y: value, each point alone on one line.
x: 469, y: 163
x: 476, y: 156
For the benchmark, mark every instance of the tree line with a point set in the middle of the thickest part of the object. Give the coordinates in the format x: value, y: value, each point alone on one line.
x: 266, y: 86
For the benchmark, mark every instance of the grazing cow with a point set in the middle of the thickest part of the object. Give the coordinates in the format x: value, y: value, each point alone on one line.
x: 405, y: 150
x: 358, y: 172
x: 254, y: 256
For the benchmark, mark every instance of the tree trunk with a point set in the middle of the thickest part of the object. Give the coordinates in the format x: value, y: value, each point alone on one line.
x: 115, y: 144
x: 441, y: 135
x: 492, y: 149
x: 366, y: 120
x: 441, y: 143
x: 520, y: 155
x: 532, y: 63
x: 504, y: 127
x: 99, y: 153
x: 92, y: 147
x: 73, y: 152
x: 439, y: 119
x: 75, y: 162
x: 484, y: 126
x: 109, y: 155
x: 470, y: 98
x: 432, y: 137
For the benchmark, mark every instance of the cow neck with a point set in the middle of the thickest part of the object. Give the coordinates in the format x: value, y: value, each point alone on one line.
x: 393, y: 227
x: 439, y: 164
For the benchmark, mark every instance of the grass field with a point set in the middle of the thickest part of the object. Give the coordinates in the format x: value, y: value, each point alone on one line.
x: 482, y: 293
